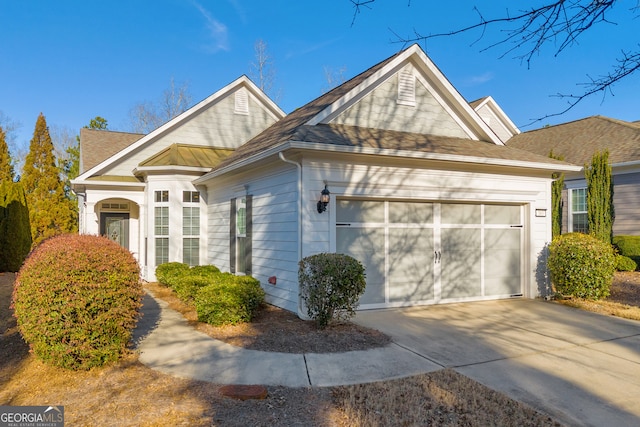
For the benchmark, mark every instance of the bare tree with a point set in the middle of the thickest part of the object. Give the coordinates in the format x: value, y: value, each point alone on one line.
x: 147, y: 116
x: 560, y: 23
x: 334, y: 77
x: 262, y: 70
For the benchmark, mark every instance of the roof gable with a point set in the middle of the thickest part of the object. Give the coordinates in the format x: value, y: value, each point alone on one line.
x: 491, y: 113
x: 195, y: 127
x: 187, y: 155
x: 332, y: 104
x: 577, y: 141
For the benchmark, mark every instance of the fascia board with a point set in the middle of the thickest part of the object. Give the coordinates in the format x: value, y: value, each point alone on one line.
x: 180, y: 119
x: 146, y: 170
x: 417, y: 155
x: 90, y: 183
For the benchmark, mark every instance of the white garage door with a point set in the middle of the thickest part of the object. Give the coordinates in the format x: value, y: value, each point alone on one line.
x: 426, y: 253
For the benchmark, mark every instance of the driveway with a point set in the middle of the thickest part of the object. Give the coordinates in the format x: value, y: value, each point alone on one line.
x: 580, y: 367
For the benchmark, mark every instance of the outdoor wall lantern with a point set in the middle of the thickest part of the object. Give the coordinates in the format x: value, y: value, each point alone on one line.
x: 324, y: 199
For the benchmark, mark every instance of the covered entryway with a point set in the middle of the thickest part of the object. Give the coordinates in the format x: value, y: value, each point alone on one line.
x: 430, y: 252
x: 115, y: 225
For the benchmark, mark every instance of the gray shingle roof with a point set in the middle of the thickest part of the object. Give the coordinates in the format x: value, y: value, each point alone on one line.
x: 577, y: 141
x: 98, y: 145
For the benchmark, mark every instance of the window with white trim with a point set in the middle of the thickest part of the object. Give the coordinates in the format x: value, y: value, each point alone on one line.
x: 161, y: 226
x: 191, y: 228
x: 579, y: 220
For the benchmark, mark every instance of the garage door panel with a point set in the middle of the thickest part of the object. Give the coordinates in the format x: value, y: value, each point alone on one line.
x: 502, y: 262
x: 456, y: 213
x: 501, y: 214
x: 367, y: 246
x: 410, y: 212
x: 461, y: 263
x: 411, y: 264
x: 360, y: 211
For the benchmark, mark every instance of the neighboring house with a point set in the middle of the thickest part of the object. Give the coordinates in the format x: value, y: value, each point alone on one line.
x: 577, y: 142
x: 138, y: 189
x: 422, y: 190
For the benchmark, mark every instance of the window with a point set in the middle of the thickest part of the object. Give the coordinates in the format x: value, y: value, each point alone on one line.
x: 191, y: 227
x: 579, y: 219
x: 162, y: 250
x: 240, y: 242
x: 191, y: 251
x: 191, y: 196
x: 161, y: 221
x: 162, y: 196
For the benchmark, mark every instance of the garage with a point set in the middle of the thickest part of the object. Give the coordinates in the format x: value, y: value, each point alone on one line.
x: 423, y: 252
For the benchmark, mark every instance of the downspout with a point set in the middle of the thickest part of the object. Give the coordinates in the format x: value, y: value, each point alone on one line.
x: 299, y: 167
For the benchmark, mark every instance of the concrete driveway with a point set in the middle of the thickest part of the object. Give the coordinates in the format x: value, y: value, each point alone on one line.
x: 580, y: 367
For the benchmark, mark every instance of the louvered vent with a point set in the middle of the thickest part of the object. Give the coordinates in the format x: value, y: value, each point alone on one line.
x: 242, y: 102
x: 406, y: 88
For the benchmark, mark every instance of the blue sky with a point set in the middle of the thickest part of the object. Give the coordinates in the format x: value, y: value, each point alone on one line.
x: 74, y: 60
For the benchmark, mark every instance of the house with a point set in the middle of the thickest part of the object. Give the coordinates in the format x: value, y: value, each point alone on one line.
x: 138, y: 189
x: 420, y: 186
x: 577, y: 142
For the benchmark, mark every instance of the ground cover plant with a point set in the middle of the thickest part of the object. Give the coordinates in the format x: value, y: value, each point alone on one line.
x: 111, y: 395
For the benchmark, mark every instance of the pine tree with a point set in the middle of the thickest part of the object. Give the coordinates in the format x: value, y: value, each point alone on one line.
x: 556, y: 199
x: 50, y: 212
x: 6, y: 168
x: 600, y: 212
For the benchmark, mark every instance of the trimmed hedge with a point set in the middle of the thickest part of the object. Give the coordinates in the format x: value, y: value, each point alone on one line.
x: 581, y: 266
x: 219, y: 298
x: 230, y: 299
x: 628, y: 246
x: 624, y: 263
x: 77, y: 300
x: 331, y: 285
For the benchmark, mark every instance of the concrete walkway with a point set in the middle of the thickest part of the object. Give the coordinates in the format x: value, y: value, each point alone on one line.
x: 582, y: 368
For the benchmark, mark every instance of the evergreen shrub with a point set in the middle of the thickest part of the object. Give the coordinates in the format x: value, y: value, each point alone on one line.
x: 165, y: 273
x: 230, y: 299
x: 628, y: 246
x: 330, y: 286
x: 77, y: 300
x: 581, y: 265
x: 624, y: 263
x: 15, y: 229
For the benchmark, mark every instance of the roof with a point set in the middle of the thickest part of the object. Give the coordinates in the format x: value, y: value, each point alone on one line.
x: 98, y: 145
x: 303, y: 126
x: 188, y: 155
x: 579, y: 140
x: 354, y: 136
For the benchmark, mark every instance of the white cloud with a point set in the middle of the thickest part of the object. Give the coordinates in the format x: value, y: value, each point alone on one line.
x: 217, y: 30
x: 480, y: 79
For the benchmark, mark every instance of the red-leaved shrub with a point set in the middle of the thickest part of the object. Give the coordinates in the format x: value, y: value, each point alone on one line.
x: 77, y: 300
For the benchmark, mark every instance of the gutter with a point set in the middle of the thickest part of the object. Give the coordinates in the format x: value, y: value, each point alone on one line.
x: 299, y: 168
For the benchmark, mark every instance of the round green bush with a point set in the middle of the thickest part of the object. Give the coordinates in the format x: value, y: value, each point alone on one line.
x: 331, y: 285
x: 581, y: 266
x: 624, y: 263
x: 77, y: 300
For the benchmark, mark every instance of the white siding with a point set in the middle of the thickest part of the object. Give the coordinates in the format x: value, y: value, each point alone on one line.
x: 275, y: 228
x: 379, y: 109
x: 217, y: 126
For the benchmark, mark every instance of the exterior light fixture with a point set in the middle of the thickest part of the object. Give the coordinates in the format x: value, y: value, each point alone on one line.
x: 324, y: 199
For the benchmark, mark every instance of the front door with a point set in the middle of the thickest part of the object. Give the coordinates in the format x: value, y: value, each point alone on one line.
x: 116, y: 227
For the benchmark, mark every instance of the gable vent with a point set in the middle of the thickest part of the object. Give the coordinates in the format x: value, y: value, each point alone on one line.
x: 242, y: 102
x: 406, y: 88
